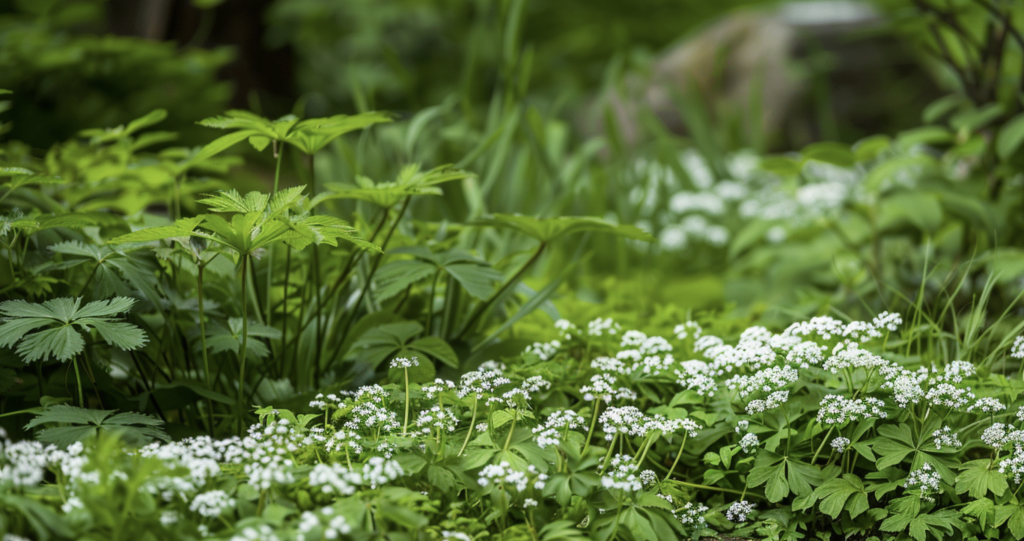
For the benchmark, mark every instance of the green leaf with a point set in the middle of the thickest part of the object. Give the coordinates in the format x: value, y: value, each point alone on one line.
x: 829, y: 152
x: 63, y: 413
x: 62, y: 343
x: 1010, y: 137
x: 478, y: 280
x: 123, y: 335
x: 436, y: 348
x: 220, y: 145
x: 835, y: 494
x: 395, y: 276
x: 978, y: 477
x: 64, y: 436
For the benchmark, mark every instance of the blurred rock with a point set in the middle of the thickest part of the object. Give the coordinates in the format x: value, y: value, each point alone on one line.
x: 805, y: 71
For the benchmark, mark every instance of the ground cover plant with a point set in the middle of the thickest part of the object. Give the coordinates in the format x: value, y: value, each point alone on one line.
x: 472, y: 321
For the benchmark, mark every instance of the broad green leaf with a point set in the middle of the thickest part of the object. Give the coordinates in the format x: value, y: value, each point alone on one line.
x: 1010, y: 137
x: 62, y: 343
x: 978, y: 477
x: 436, y: 348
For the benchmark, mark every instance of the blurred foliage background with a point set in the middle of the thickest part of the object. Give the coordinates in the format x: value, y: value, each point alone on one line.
x: 788, y: 155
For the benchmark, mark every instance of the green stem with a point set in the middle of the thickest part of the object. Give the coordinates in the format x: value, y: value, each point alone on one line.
x: 823, y: 441
x: 270, y: 250
x: 472, y: 423
x: 245, y: 341
x: 678, y: 456
x: 593, y: 423
x: 78, y: 378
x: 705, y: 487
x: 608, y: 455
x: 430, y: 303
x: 508, y: 440
x: 202, y: 335
x: 405, y: 426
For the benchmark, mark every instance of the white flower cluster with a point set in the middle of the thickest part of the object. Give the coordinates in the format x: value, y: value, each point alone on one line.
x: 691, y: 515
x: 621, y: 475
x: 402, y: 362
x: 840, y: 444
x: 749, y: 442
x: 544, y: 350
x: 926, y: 480
x: 604, y: 387
x: 603, y: 327
x: 339, y: 479
x: 332, y: 525
x: 838, y: 410
x: 556, y: 426
x: 211, y: 504
x: 437, y: 418
x: 945, y: 437
x: 739, y: 511
x: 504, y: 476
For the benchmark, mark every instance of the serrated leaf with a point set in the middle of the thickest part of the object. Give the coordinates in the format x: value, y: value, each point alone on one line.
x: 61, y: 343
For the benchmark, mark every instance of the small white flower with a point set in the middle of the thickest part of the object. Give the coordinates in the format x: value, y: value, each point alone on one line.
x: 402, y: 362
x: 738, y: 511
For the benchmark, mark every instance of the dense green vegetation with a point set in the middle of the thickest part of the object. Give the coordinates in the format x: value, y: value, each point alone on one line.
x: 430, y: 303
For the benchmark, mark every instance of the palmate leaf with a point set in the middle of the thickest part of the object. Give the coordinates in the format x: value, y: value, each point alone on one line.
x: 182, y: 228
x: 393, y: 277
x: 322, y: 229
x: 85, y: 423
x: 312, y: 135
x: 233, y: 201
x: 475, y: 275
x: 411, y: 181
x: 63, y: 342
x: 549, y: 229
x: 123, y: 335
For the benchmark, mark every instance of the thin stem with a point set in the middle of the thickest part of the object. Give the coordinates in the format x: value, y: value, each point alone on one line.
x: 511, y: 429
x: 825, y: 439
x: 245, y: 339
x: 430, y: 303
x: 270, y: 250
x: 78, y: 378
x: 405, y: 426
x: 202, y: 337
x: 472, y: 423
x: 593, y: 423
x: 678, y: 456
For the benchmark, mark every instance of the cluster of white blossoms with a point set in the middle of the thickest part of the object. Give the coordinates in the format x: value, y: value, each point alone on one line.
x: 604, y: 386
x: 739, y: 511
x: 692, y: 515
x: 331, y: 524
x: 211, y: 504
x: 437, y: 418
x: 603, y: 327
x: 556, y: 426
x: 504, y: 476
x: 840, y: 444
x: 838, y: 410
x: 402, y: 362
x: 622, y: 475
x: 749, y: 442
x: 926, y: 480
x: 945, y: 437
